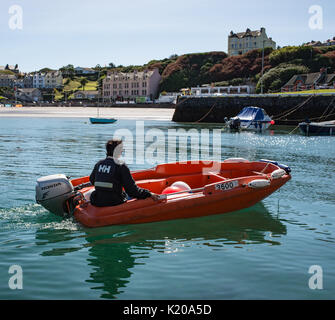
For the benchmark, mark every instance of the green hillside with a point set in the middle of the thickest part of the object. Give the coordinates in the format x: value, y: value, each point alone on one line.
x: 70, y: 86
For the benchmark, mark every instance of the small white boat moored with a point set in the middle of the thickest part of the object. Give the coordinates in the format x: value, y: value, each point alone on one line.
x: 250, y: 118
x: 326, y: 128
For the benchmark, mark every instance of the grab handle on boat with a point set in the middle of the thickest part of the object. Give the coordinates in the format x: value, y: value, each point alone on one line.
x: 281, y: 166
x: 82, y: 186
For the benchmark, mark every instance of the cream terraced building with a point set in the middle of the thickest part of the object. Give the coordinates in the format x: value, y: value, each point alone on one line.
x: 118, y: 85
x: 241, y: 43
x: 48, y: 80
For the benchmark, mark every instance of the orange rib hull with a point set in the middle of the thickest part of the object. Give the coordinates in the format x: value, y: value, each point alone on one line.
x: 233, y: 186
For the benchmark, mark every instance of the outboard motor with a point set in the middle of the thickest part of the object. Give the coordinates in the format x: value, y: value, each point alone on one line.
x: 235, y: 124
x: 52, y: 192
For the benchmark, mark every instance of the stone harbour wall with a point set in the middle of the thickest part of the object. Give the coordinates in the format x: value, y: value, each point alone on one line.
x: 284, y: 109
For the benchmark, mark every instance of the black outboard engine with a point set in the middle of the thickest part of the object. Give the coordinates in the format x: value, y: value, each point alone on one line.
x: 53, y: 192
x: 235, y: 124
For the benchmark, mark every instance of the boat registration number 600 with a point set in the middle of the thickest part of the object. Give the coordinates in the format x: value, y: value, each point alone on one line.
x: 226, y: 185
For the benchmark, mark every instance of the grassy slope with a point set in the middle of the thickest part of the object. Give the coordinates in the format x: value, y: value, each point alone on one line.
x: 74, y: 85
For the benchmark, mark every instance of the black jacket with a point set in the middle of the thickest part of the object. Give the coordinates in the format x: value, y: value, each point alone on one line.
x: 109, y: 179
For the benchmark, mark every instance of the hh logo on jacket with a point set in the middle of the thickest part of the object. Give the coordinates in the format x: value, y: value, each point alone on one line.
x: 104, y: 169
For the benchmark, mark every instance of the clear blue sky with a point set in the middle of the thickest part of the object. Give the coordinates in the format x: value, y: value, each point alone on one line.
x: 86, y: 33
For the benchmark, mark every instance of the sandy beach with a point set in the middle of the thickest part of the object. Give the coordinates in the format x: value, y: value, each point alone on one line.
x: 86, y: 112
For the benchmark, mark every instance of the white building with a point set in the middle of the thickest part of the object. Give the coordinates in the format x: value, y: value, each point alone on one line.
x: 39, y: 80
x: 217, y: 91
x: 47, y: 80
x: 80, y: 70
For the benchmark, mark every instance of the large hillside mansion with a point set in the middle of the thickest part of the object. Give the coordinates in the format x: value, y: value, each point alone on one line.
x: 240, y: 43
x: 119, y: 85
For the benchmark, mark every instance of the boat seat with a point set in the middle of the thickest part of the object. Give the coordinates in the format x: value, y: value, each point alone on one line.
x: 154, y: 185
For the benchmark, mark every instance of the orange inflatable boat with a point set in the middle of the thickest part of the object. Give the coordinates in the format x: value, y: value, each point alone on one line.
x: 187, y: 190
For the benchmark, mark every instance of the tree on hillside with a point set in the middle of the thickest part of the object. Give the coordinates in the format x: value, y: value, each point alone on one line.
x: 100, y: 83
x: 111, y: 65
x: 83, y: 82
x: 46, y: 70
x: 289, y: 54
x: 173, y: 56
x: 97, y: 67
x: 277, y: 77
x: 68, y: 71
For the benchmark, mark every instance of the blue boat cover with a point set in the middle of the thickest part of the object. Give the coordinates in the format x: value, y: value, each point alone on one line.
x: 251, y: 113
x: 102, y: 120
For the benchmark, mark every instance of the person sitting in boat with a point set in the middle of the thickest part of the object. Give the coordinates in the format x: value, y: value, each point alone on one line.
x: 109, y: 177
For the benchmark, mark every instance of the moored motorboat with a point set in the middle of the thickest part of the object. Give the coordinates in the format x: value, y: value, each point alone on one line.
x: 250, y: 118
x: 102, y: 120
x: 326, y: 128
x: 187, y: 190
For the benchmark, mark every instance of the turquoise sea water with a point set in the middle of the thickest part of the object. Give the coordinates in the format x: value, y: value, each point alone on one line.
x: 263, y: 252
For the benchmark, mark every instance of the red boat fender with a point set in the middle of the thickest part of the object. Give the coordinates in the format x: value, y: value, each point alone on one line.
x: 182, y: 185
x: 178, y: 186
x: 171, y: 189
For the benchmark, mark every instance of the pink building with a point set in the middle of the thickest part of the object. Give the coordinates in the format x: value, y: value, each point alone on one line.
x: 118, y: 85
